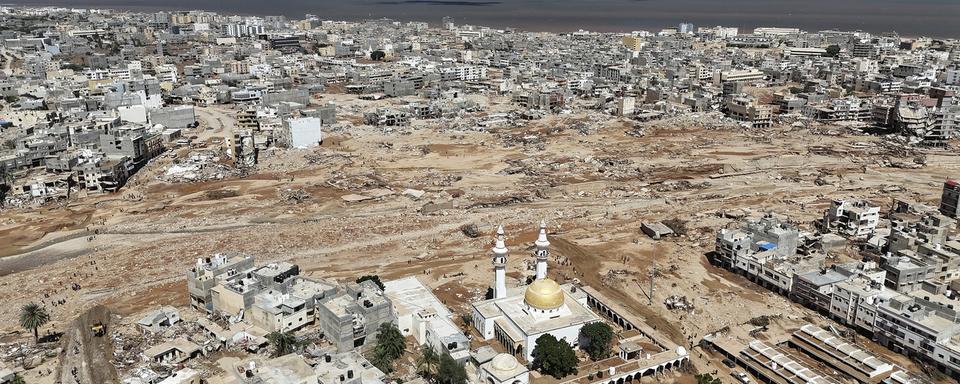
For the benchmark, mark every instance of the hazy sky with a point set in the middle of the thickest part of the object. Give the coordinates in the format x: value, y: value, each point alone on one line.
x: 939, y: 18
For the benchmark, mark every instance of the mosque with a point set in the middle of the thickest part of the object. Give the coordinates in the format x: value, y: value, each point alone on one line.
x: 516, y: 317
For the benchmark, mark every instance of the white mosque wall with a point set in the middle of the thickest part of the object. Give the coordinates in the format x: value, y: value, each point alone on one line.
x: 570, y: 334
x: 485, y: 326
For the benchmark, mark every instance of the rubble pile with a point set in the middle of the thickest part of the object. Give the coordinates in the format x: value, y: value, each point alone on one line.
x: 346, y: 182
x: 616, y: 277
x: 437, y: 179
x: 501, y: 201
x: 524, y: 139
x: 680, y: 185
x: 678, y: 303
x: 293, y: 196
x: 201, y: 165
x: 470, y: 230
x: 28, y: 355
x: 285, y: 160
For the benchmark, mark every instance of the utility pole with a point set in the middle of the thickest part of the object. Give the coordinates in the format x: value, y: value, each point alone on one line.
x: 653, y: 274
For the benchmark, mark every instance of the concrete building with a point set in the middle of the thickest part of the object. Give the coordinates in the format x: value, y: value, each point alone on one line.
x: 389, y: 117
x: 181, y: 116
x: 849, y: 109
x: 747, y: 110
x: 291, y: 309
x: 853, y: 218
x: 904, y: 274
x: 769, y: 233
x: 351, y: 319
x: 303, y: 132
x: 745, y: 75
x: 924, y: 325
x: 346, y: 368
x: 814, y: 289
x: 950, y: 199
x: 160, y: 319
x: 626, y: 106
x: 656, y: 230
x: 633, y: 43
x: 854, y: 302
x: 419, y: 313
x: 173, y: 352
x: 211, y: 271
x: 775, y: 31
x: 286, y: 369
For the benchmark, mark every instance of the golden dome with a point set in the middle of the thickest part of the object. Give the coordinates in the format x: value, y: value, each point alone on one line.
x: 544, y: 294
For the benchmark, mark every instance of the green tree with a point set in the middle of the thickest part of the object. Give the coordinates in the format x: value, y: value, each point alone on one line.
x: 12, y: 99
x: 707, y: 378
x: 283, y: 342
x: 833, y: 51
x: 17, y: 379
x: 390, y: 341
x: 554, y: 357
x: 450, y: 371
x: 374, y: 278
x: 32, y: 317
x: 596, y: 338
x: 380, y: 360
x: 377, y: 55
x: 428, y: 362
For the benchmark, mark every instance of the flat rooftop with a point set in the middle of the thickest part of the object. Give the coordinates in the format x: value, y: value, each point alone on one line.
x: 849, y: 353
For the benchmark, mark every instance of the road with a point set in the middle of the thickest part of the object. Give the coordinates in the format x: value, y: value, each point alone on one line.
x: 7, y: 62
x: 221, y: 119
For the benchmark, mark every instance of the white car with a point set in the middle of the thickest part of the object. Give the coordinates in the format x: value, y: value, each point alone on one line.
x: 742, y: 377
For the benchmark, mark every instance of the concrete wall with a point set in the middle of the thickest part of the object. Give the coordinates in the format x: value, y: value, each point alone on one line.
x: 305, y: 132
x: 174, y: 117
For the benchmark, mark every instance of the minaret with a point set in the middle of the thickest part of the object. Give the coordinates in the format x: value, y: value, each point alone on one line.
x: 542, y: 252
x: 500, y: 266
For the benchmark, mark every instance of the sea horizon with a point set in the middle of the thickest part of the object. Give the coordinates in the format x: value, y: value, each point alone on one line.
x: 933, y: 18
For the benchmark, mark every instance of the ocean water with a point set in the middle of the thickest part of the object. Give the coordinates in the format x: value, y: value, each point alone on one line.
x: 936, y: 18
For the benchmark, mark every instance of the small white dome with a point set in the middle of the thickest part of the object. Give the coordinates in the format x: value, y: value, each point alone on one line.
x: 504, y: 363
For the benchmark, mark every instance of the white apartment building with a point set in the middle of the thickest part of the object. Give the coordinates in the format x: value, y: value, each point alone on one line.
x: 166, y: 73
x: 775, y: 31
x: 463, y: 73
x: 923, y: 324
x: 855, y: 218
x: 952, y: 75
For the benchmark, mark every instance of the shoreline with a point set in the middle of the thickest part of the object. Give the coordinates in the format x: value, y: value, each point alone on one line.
x: 531, y: 21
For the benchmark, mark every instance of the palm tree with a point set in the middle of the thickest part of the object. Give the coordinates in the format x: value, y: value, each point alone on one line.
x: 428, y: 362
x: 390, y: 341
x: 380, y: 360
x: 32, y: 317
x: 283, y: 342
